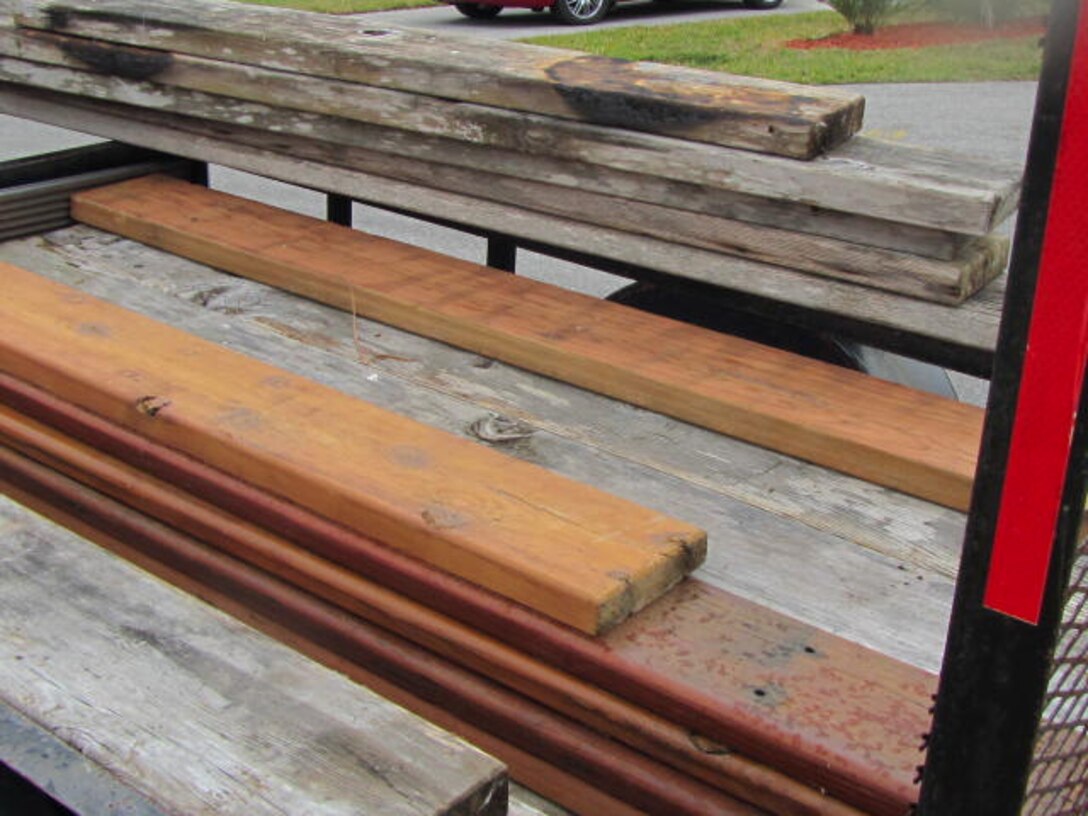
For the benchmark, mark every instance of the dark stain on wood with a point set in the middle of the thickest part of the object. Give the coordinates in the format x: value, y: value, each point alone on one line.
x: 118, y: 60
x: 605, y: 91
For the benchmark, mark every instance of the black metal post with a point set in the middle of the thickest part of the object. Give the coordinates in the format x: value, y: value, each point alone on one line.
x: 338, y: 209
x: 502, y: 253
x: 996, y: 669
x: 198, y: 173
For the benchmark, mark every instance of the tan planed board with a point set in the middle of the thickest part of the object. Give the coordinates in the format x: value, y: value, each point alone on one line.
x: 888, y: 434
x: 571, y: 552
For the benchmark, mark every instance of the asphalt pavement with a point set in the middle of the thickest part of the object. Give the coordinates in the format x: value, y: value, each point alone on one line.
x: 515, y: 23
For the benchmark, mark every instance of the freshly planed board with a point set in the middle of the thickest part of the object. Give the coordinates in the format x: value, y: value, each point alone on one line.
x: 760, y: 115
x: 864, y: 177
x: 473, y: 170
x: 573, y: 553
x: 198, y: 713
x: 890, y: 435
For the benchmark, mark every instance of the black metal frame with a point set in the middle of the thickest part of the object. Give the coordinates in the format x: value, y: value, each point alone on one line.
x: 996, y: 669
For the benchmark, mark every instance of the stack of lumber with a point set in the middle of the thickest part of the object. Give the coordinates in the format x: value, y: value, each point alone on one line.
x: 747, y: 184
x: 450, y: 579
x: 913, y: 441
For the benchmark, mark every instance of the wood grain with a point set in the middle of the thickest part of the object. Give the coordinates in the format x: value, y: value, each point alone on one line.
x: 572, y: 552
x: 885, y: 433
x: 784, y: 520
x: 496, y: 170
x: 959, y: 337
x: 201, y: 714
x: 746, y: 682
x: 922, y: 188
x: 587, y: 703
x: 505, y: 134
x: 557, y: 740
x: 762, y: 115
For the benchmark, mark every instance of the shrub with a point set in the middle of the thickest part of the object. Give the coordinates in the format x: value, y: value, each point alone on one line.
x: 866, y: 15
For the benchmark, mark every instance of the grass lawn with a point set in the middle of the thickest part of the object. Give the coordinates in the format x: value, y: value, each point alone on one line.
x: 755, y: 46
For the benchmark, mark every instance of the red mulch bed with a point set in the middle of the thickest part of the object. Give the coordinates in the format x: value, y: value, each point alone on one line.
x: 924, y: 35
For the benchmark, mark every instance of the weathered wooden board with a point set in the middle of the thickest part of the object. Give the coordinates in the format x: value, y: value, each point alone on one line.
x: 557, y: 740
x: 785, y: 520
x: 888, y: 434
x: 73, y: 777
x: 760, y: 115
x: 567, y: 550
x: 764, y: 633
x: 199, y: 713
x: 484, y: 173
x: 924, y: 189
x: 506, y: 134
x: 960, y: 337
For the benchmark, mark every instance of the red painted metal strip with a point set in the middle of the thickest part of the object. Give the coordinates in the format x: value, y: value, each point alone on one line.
x: 1053, y: 373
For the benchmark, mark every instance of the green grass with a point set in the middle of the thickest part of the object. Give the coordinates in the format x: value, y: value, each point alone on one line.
x: 342, y: 6
x: 755, y: 46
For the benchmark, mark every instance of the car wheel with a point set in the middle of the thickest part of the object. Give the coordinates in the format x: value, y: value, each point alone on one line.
x: 478, y: 11
x: 580, y: 12
x: 762, y: 4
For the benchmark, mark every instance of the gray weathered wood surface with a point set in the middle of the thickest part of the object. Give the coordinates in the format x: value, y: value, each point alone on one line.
x: 870, y: 564
x: 969, y: 329
x: 197, y: 712
x: 503, y: 176
x: 756, y: 114
x: 866, y: 177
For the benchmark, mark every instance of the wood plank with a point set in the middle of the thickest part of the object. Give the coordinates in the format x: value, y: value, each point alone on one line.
x: 558, y: 741
x: 386, y: 151
x: 762, y: 115
x: 506, y: 135
x: 784, y: 520
x: 888, y: 434
x: 567, y: 550
x: 564, y: 788
x: 920, y: 189
x: 247, y: 726
x: 960, y: 337
x: 587, y: 703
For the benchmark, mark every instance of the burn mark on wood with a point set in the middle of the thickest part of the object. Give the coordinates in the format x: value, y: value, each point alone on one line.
x: 606, y: 91
x: 118, y: 60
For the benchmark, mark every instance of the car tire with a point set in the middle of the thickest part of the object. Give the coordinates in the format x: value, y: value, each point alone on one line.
x: 478, y: 11
x: 580, y: 12
x: 762, y: 4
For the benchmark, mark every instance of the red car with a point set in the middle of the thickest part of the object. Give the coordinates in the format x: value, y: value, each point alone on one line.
x: 572, y: 12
